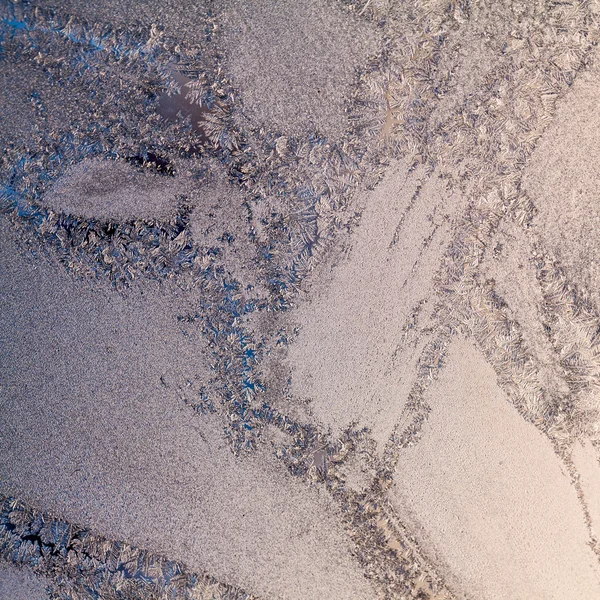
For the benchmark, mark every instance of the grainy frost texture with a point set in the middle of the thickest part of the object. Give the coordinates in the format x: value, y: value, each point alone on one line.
x: 299, y: 300
x: 21, y: 584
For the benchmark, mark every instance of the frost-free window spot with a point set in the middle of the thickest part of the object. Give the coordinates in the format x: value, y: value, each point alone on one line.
x: 170, y: 106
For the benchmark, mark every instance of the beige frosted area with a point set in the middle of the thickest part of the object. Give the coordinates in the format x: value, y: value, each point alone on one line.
x: 92, y: 433
x: 112, y: 189
x: 586, y: 460
x: 21, y: 584
x: 360, y: 336
x: 489, y: 498
x: 563, y: 178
